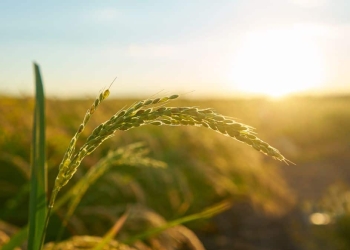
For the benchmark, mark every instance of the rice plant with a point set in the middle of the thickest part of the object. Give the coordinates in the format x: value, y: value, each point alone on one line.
x: 146, y: 112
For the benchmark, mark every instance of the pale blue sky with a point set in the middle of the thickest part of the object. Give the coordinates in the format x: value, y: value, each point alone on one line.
x: 209, y: 47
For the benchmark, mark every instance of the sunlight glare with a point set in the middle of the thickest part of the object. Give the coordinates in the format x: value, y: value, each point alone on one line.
x: 278, y: 62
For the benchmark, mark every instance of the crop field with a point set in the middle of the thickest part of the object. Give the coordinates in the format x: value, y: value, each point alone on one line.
x: 172, y: 172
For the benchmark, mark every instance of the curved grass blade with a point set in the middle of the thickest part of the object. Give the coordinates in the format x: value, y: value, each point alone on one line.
x: 112, y: 232
x: 38, y: 181
x: 206, y: 213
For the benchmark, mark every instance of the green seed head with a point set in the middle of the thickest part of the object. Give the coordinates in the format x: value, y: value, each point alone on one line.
x: 97, y: 102
x: 124, y: 127
x: 173, y: 97
x: 238, y: 126
x: 256, y: 147
x: 167, y: 122
x: 221, y: 129
x: 92, y: 109
x: 122, y: 113
x: 147, y: 111
x: 212, y: 126
x: 129, y: 111
x: 164, y: 99
x: 218, y: 118
x: 161, y: 110
x: 174, y: 110
x: 156, y: 123
x: 155, y: 101
x: 105, y: 94
x: 87, y: 117
x: 148, y: 102
x: 207, y: 111
x: 139, y: 112
x: 139, y: 105
x: 81, y: 128
x: 205, y: 125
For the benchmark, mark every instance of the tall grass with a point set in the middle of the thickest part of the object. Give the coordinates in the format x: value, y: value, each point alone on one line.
x: 38, y: 182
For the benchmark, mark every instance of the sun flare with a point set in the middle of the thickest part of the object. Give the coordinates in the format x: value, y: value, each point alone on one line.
x: 277, y: 63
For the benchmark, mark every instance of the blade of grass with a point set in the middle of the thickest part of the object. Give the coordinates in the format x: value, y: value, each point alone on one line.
x: 38, y: 181
x: 209, y: 212
x: 112, y: 232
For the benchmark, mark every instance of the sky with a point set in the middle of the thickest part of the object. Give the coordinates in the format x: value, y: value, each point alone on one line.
x: 197, y: 48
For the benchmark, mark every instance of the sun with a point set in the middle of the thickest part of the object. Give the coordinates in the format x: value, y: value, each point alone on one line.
x: 277, y: 63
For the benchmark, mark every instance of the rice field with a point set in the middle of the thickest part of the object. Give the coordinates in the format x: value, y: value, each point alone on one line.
x: 181, y: 171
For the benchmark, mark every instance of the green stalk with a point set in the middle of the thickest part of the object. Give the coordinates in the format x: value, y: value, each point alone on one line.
x: 38, y: 181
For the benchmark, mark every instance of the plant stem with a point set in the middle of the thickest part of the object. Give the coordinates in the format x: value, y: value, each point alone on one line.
x: 49, y: 210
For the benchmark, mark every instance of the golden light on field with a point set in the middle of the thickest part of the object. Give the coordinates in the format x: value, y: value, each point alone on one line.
x: 319, y: 219
x: 278, y: 62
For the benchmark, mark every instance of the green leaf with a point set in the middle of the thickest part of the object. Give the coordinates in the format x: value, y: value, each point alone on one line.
x: 38, y: 181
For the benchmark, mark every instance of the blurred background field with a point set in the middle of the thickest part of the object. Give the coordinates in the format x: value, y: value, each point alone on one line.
x: 279, y: 66
x: 274, y: 205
